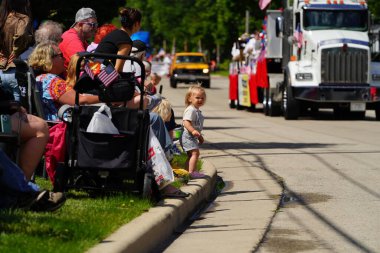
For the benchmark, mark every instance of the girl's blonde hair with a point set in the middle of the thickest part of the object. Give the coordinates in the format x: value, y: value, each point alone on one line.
x: 164, y: 109
x: 192, y: 89
x: 41, y: 58
x: 71, y: 77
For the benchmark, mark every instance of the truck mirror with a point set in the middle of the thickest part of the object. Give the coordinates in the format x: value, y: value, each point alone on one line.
x: 279, y: 26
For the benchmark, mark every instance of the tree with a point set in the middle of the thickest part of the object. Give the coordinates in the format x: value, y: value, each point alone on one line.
x: 215, y: 22
x: 209, y: 23
x: 374, y: 6
x: 64, y: 11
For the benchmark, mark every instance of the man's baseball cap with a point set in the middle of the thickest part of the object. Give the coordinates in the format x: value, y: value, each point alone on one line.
x: 84, y: 13
x: 138, y: 46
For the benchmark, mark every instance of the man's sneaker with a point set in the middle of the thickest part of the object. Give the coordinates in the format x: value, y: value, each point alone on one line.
x: 49, y: 202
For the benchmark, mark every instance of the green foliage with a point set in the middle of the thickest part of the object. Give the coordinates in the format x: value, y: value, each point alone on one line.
x: 64, y: 11
x: 210, y: 22
x: 185, y: 24
x: 374, y: 6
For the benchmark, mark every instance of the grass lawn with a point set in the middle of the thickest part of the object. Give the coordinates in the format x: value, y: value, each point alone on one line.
x: 80, y: 224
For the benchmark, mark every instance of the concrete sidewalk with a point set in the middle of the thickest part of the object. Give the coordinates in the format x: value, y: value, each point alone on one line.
x: 146, y: 232
x: 236, y: 221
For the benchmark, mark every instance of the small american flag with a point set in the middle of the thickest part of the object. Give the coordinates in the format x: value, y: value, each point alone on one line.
x: 108, y: 75
x: 89, y: 71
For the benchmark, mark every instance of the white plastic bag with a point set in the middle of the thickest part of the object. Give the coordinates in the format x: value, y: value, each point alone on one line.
x: 162, y: 170
x: 101, y: 123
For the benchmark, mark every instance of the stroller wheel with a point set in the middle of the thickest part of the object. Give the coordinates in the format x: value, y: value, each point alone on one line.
x: 83, y: 181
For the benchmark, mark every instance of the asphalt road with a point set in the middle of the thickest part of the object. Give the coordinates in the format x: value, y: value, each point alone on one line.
x: 330, y: 170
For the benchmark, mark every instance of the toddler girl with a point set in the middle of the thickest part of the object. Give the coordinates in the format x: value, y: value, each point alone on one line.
x: 193, y: 125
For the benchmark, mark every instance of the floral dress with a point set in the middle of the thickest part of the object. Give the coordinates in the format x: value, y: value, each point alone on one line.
x: 51, y: 88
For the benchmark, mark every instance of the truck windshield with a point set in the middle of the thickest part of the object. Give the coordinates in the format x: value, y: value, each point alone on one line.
x: 190, y: 58
x: 355, y: 20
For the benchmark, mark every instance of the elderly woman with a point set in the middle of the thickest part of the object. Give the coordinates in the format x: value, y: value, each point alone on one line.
x: 48, y: 63
x: 48, y: 30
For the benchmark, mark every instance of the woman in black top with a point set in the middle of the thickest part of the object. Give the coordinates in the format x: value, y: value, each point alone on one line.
x: 119, y: 41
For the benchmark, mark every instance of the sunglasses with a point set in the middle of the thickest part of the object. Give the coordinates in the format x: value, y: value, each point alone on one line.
x: 93, y: 25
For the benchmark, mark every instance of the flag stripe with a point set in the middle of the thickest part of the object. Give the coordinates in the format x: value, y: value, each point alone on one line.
x: 89, y: 71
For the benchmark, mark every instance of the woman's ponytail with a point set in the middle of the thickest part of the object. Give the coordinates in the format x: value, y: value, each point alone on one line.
x: 129, y: 16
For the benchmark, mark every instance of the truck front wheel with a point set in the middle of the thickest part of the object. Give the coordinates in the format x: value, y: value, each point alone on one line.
x: 290, y: 106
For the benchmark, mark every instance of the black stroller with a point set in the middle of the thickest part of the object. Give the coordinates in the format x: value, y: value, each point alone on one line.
x: 107, y: 162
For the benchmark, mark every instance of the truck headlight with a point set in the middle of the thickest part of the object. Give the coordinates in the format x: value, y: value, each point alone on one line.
x: 205, y: 71
x: 304, y: 76
x: 376, y: 77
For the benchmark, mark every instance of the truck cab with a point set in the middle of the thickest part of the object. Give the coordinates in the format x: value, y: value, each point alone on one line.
x: 326, y: 58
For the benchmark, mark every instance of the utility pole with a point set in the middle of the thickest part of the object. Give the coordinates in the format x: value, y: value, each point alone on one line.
x: 185, y: 45
x: 173, y: 47
x: 217, y: 53
x: 247, y: 21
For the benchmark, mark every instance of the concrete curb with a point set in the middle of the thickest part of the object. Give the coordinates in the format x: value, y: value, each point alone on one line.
x: 146, y: 232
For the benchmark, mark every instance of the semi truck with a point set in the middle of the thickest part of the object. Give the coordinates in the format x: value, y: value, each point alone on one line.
x: 326, y: 60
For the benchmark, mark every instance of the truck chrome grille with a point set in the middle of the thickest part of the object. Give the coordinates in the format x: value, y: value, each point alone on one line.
x: 349, y: 67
